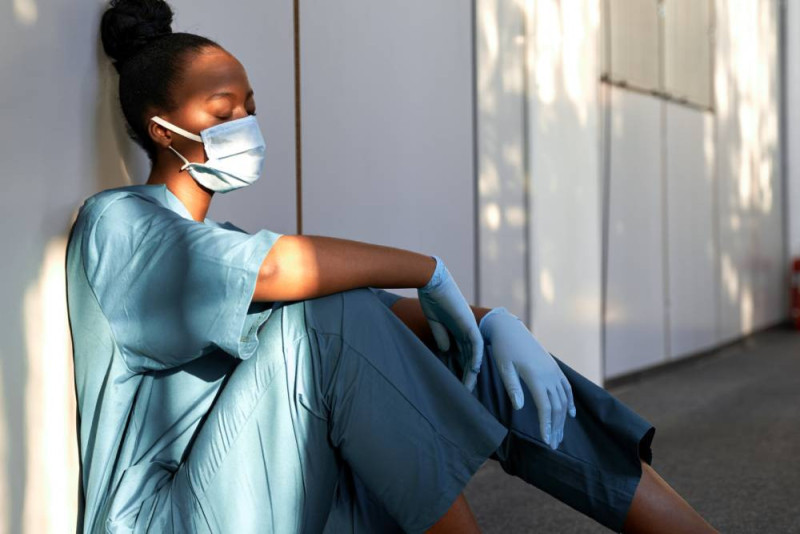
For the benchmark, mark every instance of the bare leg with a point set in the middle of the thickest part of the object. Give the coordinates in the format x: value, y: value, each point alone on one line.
x: 458, y: 518
x: 657, y: 508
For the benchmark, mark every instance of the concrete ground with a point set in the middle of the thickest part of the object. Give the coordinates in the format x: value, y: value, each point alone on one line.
x: 727, y: 439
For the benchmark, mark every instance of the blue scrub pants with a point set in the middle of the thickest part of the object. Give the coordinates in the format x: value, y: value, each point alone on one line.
x: 344, y: 421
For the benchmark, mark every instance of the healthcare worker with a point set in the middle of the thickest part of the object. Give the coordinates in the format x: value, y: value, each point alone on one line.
x: 237, y: 382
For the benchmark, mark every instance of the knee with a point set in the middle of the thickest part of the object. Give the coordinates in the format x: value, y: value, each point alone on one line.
x: 330, y: 313
x: 361, y: 298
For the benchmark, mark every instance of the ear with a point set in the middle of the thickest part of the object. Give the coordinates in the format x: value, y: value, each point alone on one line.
x: 160, y: 135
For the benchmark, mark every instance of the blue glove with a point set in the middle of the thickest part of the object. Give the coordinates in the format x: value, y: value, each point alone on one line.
x: 447, y: 310
x: 515, y: 350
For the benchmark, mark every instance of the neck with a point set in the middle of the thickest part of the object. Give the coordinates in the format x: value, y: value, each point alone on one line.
x: 195, y: 197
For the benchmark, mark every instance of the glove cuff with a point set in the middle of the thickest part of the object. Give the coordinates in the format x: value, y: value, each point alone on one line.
x: 437, y: 276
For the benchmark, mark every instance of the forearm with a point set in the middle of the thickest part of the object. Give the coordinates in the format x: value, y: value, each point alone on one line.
x: 307, y: 266
x: 410, y: 312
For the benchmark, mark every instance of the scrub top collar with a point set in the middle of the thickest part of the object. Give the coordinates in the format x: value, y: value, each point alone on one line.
x: 175, y: 203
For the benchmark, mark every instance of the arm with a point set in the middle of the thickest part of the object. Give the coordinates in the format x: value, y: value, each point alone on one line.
x: 410, y: 312
x: 301, y: 267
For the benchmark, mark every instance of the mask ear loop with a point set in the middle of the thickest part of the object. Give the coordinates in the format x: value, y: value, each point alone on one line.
x: 185, y: 161
x: 178, y: 130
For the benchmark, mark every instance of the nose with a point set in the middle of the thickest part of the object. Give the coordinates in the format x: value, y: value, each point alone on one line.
x: 239, y: 112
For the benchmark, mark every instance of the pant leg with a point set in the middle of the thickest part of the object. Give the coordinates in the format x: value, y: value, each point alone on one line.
x: 413, y: 436
x: 261, y: 462
x: 334, y: 385
x: 595, y: 469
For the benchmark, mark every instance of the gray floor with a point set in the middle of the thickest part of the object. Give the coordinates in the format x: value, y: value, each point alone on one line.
x: 727, y: 439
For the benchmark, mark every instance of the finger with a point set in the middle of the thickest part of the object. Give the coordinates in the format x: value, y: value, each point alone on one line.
x: 470, y: 381
x: 464, y: 356
x: 477, y: 348
x: 469, y: 375
x: 440, y: 335
x: 510, y: 380
x: 568, y: 389
x: 556, y: 412
x: 543, y: 407
x: 563, y: 397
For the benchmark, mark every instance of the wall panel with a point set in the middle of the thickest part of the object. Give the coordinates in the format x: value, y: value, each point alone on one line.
x: 752, y: 265
x: 564, y: 153
x: 502, y: 210
x: 635, y: 329
x: 691, y: 230
x: 386, y: 92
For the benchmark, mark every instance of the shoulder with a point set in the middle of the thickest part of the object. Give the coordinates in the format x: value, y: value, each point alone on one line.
x: 111, y: 204
x: 112, y: 221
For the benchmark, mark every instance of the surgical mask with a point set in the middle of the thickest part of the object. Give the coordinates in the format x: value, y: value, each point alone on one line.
x: 235, y: 153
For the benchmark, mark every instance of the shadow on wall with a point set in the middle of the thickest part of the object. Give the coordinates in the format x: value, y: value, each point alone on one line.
x: 38, y: 436
x: 118, y: 160
x: 751, y: 263
x: 538, y: 182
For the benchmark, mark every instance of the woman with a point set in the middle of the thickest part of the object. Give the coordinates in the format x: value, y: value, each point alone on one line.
x: 236, y: 382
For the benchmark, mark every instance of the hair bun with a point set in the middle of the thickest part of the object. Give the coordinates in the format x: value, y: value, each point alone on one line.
x: 128, y: 25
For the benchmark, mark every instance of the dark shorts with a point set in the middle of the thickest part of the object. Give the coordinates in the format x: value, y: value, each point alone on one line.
x: 595, y: 469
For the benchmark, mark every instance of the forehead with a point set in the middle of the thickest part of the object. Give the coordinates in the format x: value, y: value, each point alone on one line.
x: 211, y: 71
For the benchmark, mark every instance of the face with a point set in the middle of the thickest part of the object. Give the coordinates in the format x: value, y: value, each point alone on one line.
x: 214, y: 89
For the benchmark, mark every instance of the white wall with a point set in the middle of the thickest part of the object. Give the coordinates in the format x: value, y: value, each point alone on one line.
x: 696, y: 254
x: 693, y: 278
x: 662, y: 281
x: 503, y: 214
x: 387, y: 127
x: 635, y: 315
x: 749, y: 189
x: 62, y: 140
x: 564, y: 155
x: 541, y: 235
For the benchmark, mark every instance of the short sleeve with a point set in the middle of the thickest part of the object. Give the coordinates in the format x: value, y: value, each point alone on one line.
x: 173, y: 288
x: 387, y: 297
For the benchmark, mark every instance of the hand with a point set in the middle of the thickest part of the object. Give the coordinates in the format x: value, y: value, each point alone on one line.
x: 515, y: 350
x: 447, y: 310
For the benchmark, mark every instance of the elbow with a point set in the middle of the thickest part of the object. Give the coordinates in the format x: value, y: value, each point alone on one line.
x: 287, y: 273
x: 265, y: 282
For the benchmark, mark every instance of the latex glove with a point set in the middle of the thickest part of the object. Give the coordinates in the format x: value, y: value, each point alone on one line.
x: 517, y: 353
x: 448, y: 311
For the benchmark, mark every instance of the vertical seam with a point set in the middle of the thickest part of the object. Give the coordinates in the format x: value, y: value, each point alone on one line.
x: 298, y: 137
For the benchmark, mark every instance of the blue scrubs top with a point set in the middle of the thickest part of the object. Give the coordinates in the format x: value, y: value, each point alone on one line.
x: 161, y: 318
x: 129, y: 262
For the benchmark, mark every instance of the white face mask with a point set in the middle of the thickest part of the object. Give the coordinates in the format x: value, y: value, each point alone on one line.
x: 235, y: 153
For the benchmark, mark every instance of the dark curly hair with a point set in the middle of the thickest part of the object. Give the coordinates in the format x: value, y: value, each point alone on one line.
x: 150, y: 59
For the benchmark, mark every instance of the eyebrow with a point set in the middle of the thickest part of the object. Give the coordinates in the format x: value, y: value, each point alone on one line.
x: 228, y: 93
